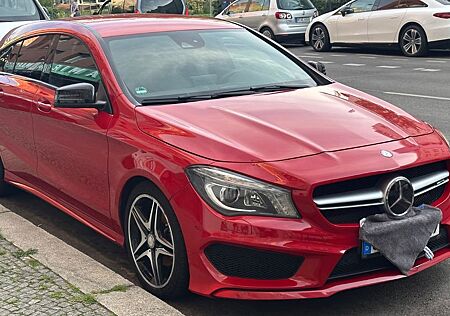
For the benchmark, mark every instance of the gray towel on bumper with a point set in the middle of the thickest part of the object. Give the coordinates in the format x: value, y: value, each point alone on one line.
x: 401, y: 240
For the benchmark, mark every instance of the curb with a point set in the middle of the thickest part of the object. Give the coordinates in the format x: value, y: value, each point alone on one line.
x: 81, y: 270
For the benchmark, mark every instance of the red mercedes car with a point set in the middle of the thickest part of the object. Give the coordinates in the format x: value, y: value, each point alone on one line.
x: 224, y: 164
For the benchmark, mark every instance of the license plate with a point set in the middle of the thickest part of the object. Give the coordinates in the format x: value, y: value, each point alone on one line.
x: 302, y: 20
x: 367, y: 249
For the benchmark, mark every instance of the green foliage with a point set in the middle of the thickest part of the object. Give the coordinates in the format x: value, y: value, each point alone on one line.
x: 54, y: 11
x: 325, y: 6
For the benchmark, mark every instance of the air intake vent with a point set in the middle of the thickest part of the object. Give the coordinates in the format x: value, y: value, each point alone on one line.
x: 250, y: 263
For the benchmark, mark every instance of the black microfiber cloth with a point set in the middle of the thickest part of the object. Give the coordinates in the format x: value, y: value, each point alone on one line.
x: 401, y: 240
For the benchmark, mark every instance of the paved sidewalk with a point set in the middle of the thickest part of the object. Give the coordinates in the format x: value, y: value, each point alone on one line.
x: 29, y: 288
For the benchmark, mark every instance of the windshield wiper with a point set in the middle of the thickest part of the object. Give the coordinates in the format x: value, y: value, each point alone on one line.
x: 220, y: 94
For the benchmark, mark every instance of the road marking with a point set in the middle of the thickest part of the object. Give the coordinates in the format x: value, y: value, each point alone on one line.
x: 436, y: 61
x: 368, y: 57
x: 312, y: 54
x: 426, y: 69
x: 388, y: 67
x: 400, y: 59
x: 338, y: 55
x: 354, y: 65
x: 417, y: 95
x: 327, y: 62
x: 308, y: 56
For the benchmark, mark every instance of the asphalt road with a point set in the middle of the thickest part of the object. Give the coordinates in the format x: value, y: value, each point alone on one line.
x: 418, y: 85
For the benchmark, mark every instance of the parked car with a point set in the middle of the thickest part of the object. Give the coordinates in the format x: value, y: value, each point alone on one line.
x: 144, y: 6
x: 280, y: 20
x: 222, y: 162
x: 414, y: 26
x: 15, y: 13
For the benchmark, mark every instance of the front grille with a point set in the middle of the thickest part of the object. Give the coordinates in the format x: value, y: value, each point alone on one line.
x: 349, y: 201
x: 243, y: 262
x: 352, y: 264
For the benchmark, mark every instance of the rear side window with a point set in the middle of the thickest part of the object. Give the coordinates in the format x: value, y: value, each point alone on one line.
x: 295, y: 5
x: 161, y: 6
x: 32, y: 56
x: 8, y: 57
x: 412, y: 4
x: 256, y: 5
x: 387, y: 4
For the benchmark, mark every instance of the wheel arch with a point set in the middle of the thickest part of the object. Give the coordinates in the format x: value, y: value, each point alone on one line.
x: 410, y: 24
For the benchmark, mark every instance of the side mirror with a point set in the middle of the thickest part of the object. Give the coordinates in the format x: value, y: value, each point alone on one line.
x: 77, y: 96
x: 346, y: 11
x: 318, y: 66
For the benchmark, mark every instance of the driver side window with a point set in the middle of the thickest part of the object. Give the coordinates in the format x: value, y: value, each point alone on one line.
x: 73, y: 63
x: 362, y: 6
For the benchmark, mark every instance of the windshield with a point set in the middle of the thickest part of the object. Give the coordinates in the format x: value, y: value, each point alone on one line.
x: 197, y: 62
x: 18, y: 10
x: 161, y: 6
x: 447, y: 2
x: 295, y: 5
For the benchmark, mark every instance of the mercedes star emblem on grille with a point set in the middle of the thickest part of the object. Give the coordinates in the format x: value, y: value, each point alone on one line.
x: 398, y: 196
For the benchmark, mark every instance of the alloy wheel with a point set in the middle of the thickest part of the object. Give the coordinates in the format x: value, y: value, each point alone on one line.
x: 412, y: 41
x: 318, y: 38
x: 151, y: 241
x: 267, y: 33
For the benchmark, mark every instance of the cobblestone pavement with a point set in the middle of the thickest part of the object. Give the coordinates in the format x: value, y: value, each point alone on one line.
x: 29, y: 288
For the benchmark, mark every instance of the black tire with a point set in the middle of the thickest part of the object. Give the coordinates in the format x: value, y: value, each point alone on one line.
x: 413, y: 41
x: 319, y: 38
x: 177, y: 281
x: 5, y: 188
x: 267, y: 32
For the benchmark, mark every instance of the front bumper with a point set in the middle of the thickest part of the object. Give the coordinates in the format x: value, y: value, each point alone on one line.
x: 320, y: 243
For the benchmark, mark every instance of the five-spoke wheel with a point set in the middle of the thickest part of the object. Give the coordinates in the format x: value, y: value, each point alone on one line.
x: 155, y: 243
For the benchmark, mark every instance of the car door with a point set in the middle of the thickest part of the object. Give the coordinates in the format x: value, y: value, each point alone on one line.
x: 256, y: 14
x: 18, y: 87
x: 352, y: 27
x: 72, y: 148
x: 385, y: 21
x: 236, y: 11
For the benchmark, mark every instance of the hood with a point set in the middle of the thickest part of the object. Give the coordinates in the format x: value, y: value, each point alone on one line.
x: 278, y: 126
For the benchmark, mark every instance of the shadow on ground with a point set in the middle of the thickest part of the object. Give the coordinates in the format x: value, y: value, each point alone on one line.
x: 427, y: 293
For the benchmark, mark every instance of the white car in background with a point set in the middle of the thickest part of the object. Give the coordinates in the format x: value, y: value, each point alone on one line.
x: 14, y: 13
x: 413, y: 25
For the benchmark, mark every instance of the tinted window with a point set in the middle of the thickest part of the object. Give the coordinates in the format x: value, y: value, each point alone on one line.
x: 295, y: 5
x: 362, y: 5
x: 73, y: 63
x: 412, y: 4
x: 388, y: 4
x: 161, y: 6
x: 8, y: 57
x: 31, y: 59
x: 18, y: 10
x: 256, y: 5
x: 198, y: 62
x: 238, y: 7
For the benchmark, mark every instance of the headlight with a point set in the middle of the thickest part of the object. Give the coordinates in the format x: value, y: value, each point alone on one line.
x: 230, y: 193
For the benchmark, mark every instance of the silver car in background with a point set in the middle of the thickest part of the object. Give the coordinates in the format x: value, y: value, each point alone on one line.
x: 281, y: 20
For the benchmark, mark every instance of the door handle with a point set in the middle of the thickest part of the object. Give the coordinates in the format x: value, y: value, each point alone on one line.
x: 45, y: 107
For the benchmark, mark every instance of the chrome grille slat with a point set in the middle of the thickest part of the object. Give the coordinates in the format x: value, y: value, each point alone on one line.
x: 374, y: 196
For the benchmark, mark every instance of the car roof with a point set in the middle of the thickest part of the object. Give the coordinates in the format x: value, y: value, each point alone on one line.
x: 124, y: 24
